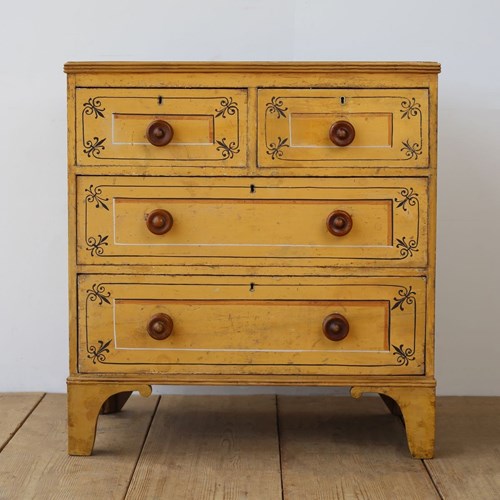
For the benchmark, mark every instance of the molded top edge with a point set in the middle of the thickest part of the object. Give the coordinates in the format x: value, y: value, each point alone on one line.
x: 256, y: 67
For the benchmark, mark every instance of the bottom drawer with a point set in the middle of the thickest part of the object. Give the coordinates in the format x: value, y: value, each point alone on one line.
x: 178, y: 324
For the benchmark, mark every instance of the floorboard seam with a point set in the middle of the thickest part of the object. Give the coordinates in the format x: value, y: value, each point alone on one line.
x: 146, y: 434
x: 432, y: 479
x: 279, y: 446
x: 28, y: 415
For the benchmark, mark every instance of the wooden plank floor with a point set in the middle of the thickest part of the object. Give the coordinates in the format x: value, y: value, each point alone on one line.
x: 248, y: 447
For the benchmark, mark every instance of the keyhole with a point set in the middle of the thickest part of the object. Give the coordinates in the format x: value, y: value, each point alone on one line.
x: 160, y: 99
x: 252, y: 188
x: 342, y: 100
x: 252, y: 287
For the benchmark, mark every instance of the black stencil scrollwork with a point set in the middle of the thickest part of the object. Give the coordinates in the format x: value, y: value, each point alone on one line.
x: 95, y: 245
x: 94, y: 107
x: 411, y: 151
x: 406, y: 248
x: 409, y: 198
x: 98, y: 293
x: 276, y: 106
x: 94, y: 147
x: 275, y: 149
x: 404, y: 354
x: 227, y: 150
x: 227, y: 106
x: 410, y: 107
x: 95, y: 196
x: 405, y: 296
x: 98, y: 353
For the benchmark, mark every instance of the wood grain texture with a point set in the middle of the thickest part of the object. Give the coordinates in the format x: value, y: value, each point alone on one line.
x: 292, y: 378
x: 467, y: 462
x: 338, y: 448
x: 258, y: 67
x: 210, y: 448
x: 35, y: 463
x: 14, y: 409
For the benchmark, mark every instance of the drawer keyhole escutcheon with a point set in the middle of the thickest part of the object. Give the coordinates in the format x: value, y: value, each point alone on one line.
x: 159, y: 133
x: 335, y: 327
x: 160, y: 326
x: 342, y: 133
x: 159, y: 221
x: 342, y: 100
x: 339, y: 223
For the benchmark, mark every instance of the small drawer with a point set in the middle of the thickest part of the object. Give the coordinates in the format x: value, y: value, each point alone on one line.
x: 164, y: 323
x: 344, y: 127
x: 161, y: 127
x: 378, y: 222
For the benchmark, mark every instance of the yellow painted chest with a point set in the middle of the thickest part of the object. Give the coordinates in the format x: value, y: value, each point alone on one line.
x: 252, y: 224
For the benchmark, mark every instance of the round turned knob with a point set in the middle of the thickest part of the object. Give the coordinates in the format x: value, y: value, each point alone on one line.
x: 159, y: 133
x: 335, y: 327
x: 339, y: 223
x: 160, y: 326
x: 159, y: 221
x: 342, y: 133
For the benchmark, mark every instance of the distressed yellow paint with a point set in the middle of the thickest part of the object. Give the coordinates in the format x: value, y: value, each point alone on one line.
x: 269, y: 322
x: 417, y: 406
x: 249, y: 271
x: 382, y: 135
x: 284, y: 220
x: 120, y: 118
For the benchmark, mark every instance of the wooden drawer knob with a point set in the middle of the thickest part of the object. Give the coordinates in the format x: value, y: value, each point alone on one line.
x: 339, y: 223
x: 160, y: 326
x: 159, y: 133
x: 159, y: 221
x: 342, y: 133
x: 335, y: 327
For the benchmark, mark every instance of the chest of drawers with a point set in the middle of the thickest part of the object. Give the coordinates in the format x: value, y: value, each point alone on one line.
x: 252, y: 224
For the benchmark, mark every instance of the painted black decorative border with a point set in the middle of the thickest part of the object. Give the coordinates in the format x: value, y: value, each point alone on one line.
x: 95, y: 195
x: 410, y: 108
x: 276, y: 106
x: 408, y: 199
x: 97, y: 353
x: 227, y: 148
x: 406, y: 245
x: 404, y: 355
x: 406, y: 296
x: 275, y: 149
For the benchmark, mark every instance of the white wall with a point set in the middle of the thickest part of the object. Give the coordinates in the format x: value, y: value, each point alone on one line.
x: 36, y: 38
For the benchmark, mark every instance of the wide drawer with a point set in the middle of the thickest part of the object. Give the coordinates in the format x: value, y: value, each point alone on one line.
x: 389, y: 128
x: 247, y: 220
x: 209, y: 127
x: 181, y: 324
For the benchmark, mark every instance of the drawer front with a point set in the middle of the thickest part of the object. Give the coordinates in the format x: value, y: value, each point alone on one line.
x: 176, y: 324
x: 390, y: 128
x: 208, y: 125
x: 252, y: 220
